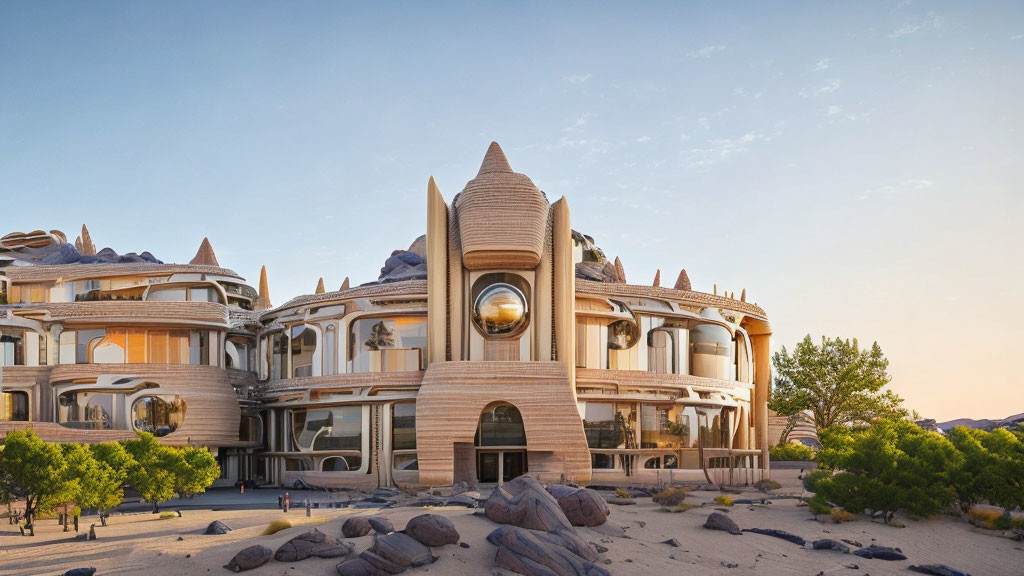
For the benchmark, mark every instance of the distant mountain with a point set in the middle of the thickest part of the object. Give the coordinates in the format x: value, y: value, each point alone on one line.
x: 984, y: 424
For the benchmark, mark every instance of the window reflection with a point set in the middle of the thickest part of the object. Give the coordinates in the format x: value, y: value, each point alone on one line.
x: 85, y: 410
x: 608, y: 425
x: 711, y: 351
x: 14, y: 406
x: 303, y: 344
x: 388, y: 344
x: 158, y: 417
x: 501, y: 425
x: 335, y: 428
x: 21, y: 347
x: 403, y: 426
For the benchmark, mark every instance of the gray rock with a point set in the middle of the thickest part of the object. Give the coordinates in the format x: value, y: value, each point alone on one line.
x: 525, y: 503
x: 462, y: 500
x: 670, y: 497
x: 830, y: 544
x: 463, y: 544
x: 672, y: 542
x: 80, y: 572
x: 782, y: 534
x: 936, y: 570
x: 356, y: 567
x: 249, y: 558
x: 621, y: 501
x: 719, y: 521
x: 356, y: 526
x: 400, y: 549
x: 380, y: 524
x: 880, y: 553
x: 432, y: 530
x: 597, y: 547
x: 582, y: 507
x: 217, y: 527
x: 299, y: 547
x: 535, y: 553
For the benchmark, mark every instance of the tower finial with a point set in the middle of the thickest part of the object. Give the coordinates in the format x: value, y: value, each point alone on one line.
x: 620, y: 272
x: 320, y: 286
x: 263, y: 299
x: 88, y: 248
x: 494, y: 161
x: 205, y: 255
x: 344, y: 285
x: 743, y: 295
x: 683, y: 281
x: 657, y: 278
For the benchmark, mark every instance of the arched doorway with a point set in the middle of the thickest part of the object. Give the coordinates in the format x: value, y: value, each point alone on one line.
x: 500, y: 444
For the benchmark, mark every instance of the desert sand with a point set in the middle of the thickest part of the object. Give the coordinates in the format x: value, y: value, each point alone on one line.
x: 145, y: 544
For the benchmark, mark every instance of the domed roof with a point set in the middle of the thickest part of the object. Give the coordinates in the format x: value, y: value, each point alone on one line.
x: 502, y: 217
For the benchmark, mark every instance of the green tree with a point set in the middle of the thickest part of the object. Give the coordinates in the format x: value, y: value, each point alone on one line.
x: 993, y: 468
x: 890, y: 465
x: 837, y: 382
x: 36, y: 471
x: 195, y: 471
x: 152, y: 471
x: 105, y: 489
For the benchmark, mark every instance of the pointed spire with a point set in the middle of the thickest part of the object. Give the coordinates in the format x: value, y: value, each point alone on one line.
x: 344, y: 285
x: 78, y: 244
x: 494, y: 161
x: 683, y: 281
x: 732, y: 295
x: 320, y: 286
x: 620, y: 272
x: 743, y: 295
x: 657, y: 278
x: 263, y: 300
x: 88, y: 248
x: 715, y: 288
x: 205, y: 255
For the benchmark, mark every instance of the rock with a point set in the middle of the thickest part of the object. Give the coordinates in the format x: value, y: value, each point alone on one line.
x: 936, y: 570
x: 432, y: 530
x: 331, y: 547
x: 535, y: 553
x: 670, y: 497
x: 400, y: 549
x: 523, y: 502
x: 582, y: 506
x: 217, y: 527
x: 719, y: 521
x: 621, y: 501
x: 460, y: 487
x: 299, y: 547
x: 830, y: 544
x: 249, y: 558
x: 609, y: 529
x: 80, y: 572
x: 356, y: 526
x: 463, y: 544
x: 600, y: 549
x: 672, y: 542
x: 462, y: 500
x: 778, y: 534
x: 880, y: 553
x: 852, y: 542
x: 767, y: 485
x: 356, y: 567
x: 380, y: 524
x: 377, y: 564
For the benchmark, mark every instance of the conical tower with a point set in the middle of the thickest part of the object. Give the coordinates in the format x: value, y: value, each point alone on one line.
x: 320, y: 286
x: 205, y: 255
x: 263, y: 300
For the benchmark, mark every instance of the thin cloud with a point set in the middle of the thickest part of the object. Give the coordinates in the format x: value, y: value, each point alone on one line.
x: 576, y: 78
x: 900, y: 188
x: 822, y: 64
x: 721, y: 149
x: 930, y: 21
x: 827, y: 88
x: 835, y: 109
x: 706, y: 52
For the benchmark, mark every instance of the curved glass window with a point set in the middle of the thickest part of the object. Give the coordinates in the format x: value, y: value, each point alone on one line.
x: 240, y: 353
x: 20, y: 347
x: 661, y: 344
x: 501, y: 425
x: 607, y: 425
x: 500, y: 311
x: 403, y: 426
x: 303, y: 344
x: 335, y: 428
x: 157, y: 416
x: 278, y: 355
x: 622, y: 335
x: 296, y: 465
x: 664, y: 426
x: 85, y: 410
x: 250, y: 429
x: 388, y: 344
x: 340, y: 464
x: 406, y: 462
x: 711, y: 352
x: 14, y: 406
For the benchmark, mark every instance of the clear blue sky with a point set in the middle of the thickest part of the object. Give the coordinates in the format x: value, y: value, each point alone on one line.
x: 857, y: 168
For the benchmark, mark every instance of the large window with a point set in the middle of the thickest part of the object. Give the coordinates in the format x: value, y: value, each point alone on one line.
x: 250, y: 428
x: 388, y: 344
x: 20, y: 347
x: 714, y: 427
x: 240, y: 353
x: 607, y: 425
x: 303, y: 344
x: 663, y: 426
x: 86, y: 410
x: 134, y: 346
x: 501, y: 425
x: 336, y: 428
x: 403, y: 426
x: 157, y: 416
x: 661, y: 347
x: 278, y: 355
x: 14, y: 406
x: 711, y: 352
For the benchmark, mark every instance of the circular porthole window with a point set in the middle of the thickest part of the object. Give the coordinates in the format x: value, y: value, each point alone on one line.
x: 500, y: 311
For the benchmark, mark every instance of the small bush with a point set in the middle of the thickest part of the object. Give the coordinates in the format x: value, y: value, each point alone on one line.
x: 984, y: 517
x: 839, y: 515
x: 168, y: 515
x: 767, y: 485
x: 682, y: 507
x: 622, y: 493
x: 723, y: 500
x: 276, y: 526
x: 817, y: 506
x: 1003, y: 522
x: 791, y: 451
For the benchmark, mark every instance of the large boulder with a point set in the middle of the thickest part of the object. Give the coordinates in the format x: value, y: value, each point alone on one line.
x: 936, y: 570
x: 356, y: 526
x: 670, y: 497
x: 314, y: 543
x: 217, y: 527
x: 399, y: 549
x: 249, y: 558
x: 581, y: 506
x: 535, y: 553
x: 719, y: 521
x: 381, y: 525
x: 432, y: 530
x: 525, y: 503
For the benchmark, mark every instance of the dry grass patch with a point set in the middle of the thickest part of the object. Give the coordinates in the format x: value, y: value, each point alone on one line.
x: 682, y: 507
x: 276, y: 526
x: 723, y: 500
x: 839, y: 515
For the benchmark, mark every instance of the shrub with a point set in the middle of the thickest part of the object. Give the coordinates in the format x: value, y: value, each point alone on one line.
x: 984, y: 517
x: 790, y: 451
x: 276, y: 526
x: 839, y: 515
x: 723, y: 500
x: 622, y: 493
x: 767, y: 485
x: 682, y: 507
x: 167, y: 515
x: 891, y: 465
x: 817, y: 506
x: 1003, y: 522
x: 993, y: 468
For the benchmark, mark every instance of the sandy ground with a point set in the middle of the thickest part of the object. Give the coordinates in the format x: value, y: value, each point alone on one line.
x: 145, y: 544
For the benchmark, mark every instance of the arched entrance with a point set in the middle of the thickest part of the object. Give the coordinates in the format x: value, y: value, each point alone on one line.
x: 500, y: 444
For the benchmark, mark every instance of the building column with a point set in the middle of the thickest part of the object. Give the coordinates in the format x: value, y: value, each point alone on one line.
x: 761, y: 343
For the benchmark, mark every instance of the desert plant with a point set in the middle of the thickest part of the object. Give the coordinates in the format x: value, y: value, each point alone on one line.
x: 622, y: 493
x: 276, y: 526
x: 167, y: 515
x: 791, y: 451
x: 984, y: 517
x: 723, y: 500
x: 767, y: 485
x: 839, y: 515
x: 682, y: 507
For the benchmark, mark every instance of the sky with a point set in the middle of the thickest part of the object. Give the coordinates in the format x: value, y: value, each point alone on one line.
x: 856, y: 167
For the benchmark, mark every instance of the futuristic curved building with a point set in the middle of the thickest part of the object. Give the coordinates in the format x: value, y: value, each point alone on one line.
x: 499, y: 343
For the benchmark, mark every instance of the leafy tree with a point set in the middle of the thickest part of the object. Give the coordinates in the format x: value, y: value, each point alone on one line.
x: 195, y: 470
x: 890, y: 465
x: 152, y: 471
x: 993, y: 468
x: 837, y: 382
x: 36, y: 471
x: 105, y: 489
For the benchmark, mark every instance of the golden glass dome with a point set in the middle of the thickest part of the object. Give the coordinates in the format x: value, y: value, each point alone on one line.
x: 500, y: 310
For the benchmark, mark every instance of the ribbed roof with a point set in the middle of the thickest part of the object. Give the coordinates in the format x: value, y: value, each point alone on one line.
x: 501, y: 216
x: 686, y: 296
x: 205, y: 255
x: 404, y: 288
x: 66, y: 272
